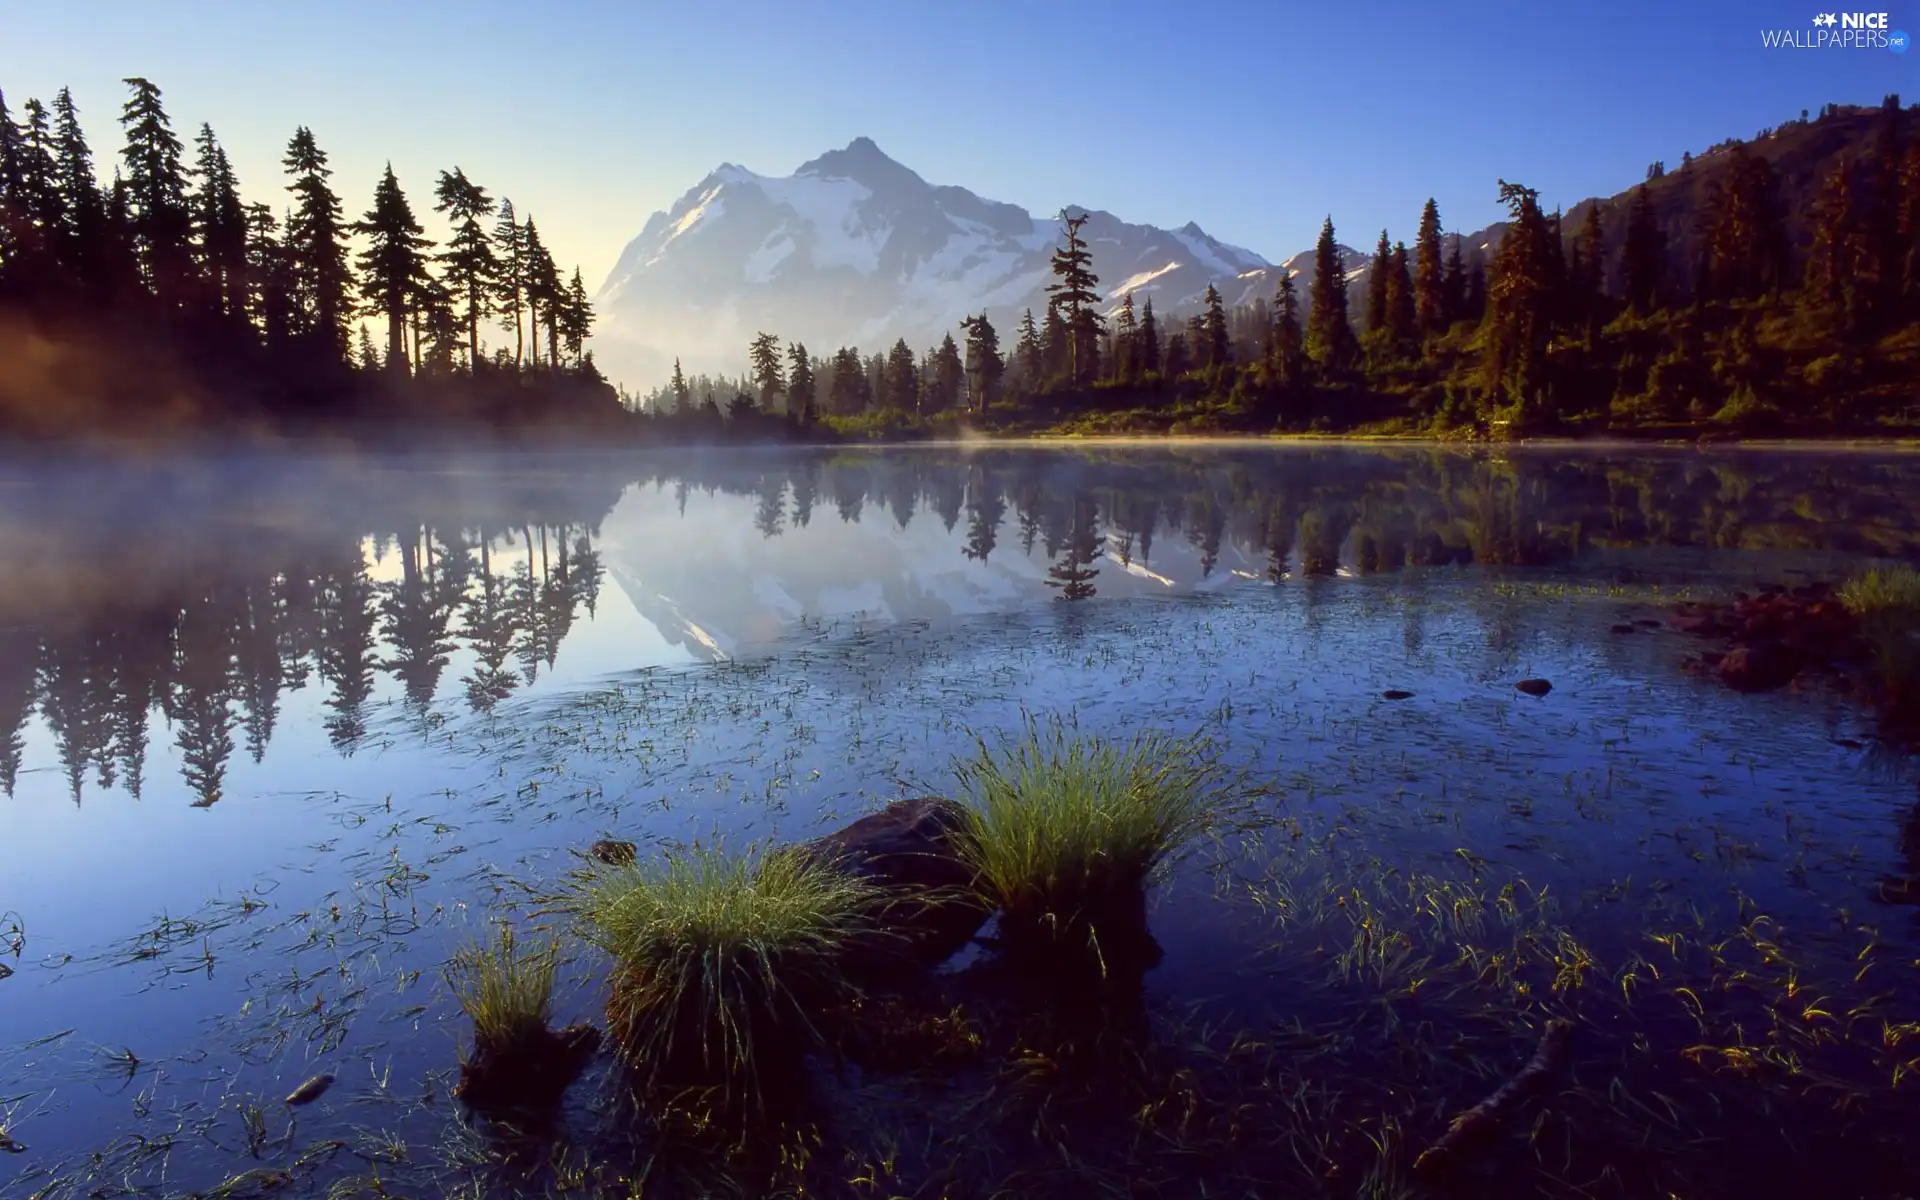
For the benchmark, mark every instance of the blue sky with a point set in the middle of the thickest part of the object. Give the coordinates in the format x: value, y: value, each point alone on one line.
x: 1254, y: 118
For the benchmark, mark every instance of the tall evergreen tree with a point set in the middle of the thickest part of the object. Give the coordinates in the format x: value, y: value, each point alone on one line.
x: 682, y: 394
x: 1643, y: 255
x: 13, y: 218
x: 270, y: 284
x: 768, y: 371
x: 1330, y: 341
x: 543, y: 295
x: 220, y: 228
x: 800, y: 386
x: 33, y: 209
x: 394, y: 266
x: 1377, y: 284
x: 1402, y: 315
x: 1838, y: 278
x: 576, y: 317
x: 1073, y: 298
x: 1053, y: 345
x: 1149, y: 355
x: 1126, y: 341
x: 157, y: 195
x: 1028, y: 352
x: 84, y: 251
x: 1217, y: 348
x: 1288, y: 342
x: 1746, y: 240
x: 468, y: 259
x: 983, y: 361
x: 1520, y: 305
x: 1429, y: 274
x: 316, y: 247
x: 510, y: 276
x: 901, y: 389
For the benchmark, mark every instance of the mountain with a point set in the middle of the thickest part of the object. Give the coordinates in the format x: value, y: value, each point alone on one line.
x: 855, y: 249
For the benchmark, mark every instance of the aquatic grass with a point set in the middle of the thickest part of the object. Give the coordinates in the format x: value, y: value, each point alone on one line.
x: 1884, y: 592
x: 506, y: 989
x: 719, y: 958
x: 1066, y: 832
x: 1886, y: 601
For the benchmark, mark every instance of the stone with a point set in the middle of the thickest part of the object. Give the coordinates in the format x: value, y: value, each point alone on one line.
x: 1534, y: 687
x: 1396, y: 694
x: 1759, y: 668
x: 614, y: 853
x: 912, y: 849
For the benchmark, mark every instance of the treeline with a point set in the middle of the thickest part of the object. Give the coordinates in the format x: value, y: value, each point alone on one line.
x: 121, y: 299
x: 1703, y: 299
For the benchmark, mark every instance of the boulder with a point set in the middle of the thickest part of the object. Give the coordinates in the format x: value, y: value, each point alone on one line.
x: 912, y: 849
x: 1759, y: 668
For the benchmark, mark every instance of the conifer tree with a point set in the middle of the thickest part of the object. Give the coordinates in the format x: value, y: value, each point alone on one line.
x: 768, y: 371
x: 1429, y: 278
x: 1377, y: 284
x: 1288, y: 342
x: 1149, y: 355
x: 1745, y: 242
x: 901, y: 388
x: 682, y: 394
x: 543, y: 296
x: 269, y: 284
x: 1520, y: 305
x: 1453, y: 287
x: 468, y: 259
x: 800, y: 386
x: 1643, y: 256
x: 220, y: 227
x: 510, y: 278
x: 576, y: 317
x: 394, y: 266
x: 1054, y: 355
x: 316, y: 248
x: 1837, y: 278
x: 1216, y: 349
x: 34, y: 212
x: 13, y: 219
x: 983, y: 361
x: 1126, y: 339
x: 82, y: 205
x: 1330, y: 341
x: 1178, y: 360
x: 157, y: 195
x: 946, y: 377
x: 441, y: 330
x: 1402, y: 317
x: 1073, y: 299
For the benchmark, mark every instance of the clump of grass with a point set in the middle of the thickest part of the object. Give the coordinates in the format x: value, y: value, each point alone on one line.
x: 719, y: 958
x: 505, y: 988
x: 1891, y: 593
x: 1067, y: 832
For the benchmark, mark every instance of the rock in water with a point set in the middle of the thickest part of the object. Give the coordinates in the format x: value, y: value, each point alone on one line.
x: 1534, y: 687
x: 614, y: 853
x: 1759, y: 668
x: 310, y: 1091
x: 911, y: 847
x: 1396, y: 694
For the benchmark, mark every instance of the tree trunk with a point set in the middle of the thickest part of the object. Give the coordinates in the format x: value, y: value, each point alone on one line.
x: 397, y: 339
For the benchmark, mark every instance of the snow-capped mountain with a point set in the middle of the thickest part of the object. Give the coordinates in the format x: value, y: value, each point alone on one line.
x: 855, y: 249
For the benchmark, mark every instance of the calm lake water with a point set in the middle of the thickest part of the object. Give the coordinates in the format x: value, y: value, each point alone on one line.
x: 277, y: 733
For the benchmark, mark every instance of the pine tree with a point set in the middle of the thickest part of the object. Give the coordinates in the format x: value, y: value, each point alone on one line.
x: 1377, y: 284
x: 316, y: 248
x: 682, y: 394
x: 768, y: 370
x: 1028, y: 352
x: 510, y: 274
x: 13, y: 218
x: 1073, y: 296
x: 468, y: 259
x: 366, y: 357
x: 220, y: 227
x: 1836, y: 278
x: 1745, y: 242
x: 1402, y: 315
x: 851, y: 392
x: 33, y: 209
x: 1520, y: 306
x: 1149, y: 354
x: 1055, y: 357
x: 901, y: 389
x: 1126, y: 341
x: 576, y: 318
x: 543, y: 296
x: 1178, y: 360
x: 394, y: 266
x: 440, y: 328
x: 1288, y: 342
x: 157, y: 195
x: 1216, y: 348
x: 269, y: 283
x: 945, y: 378
x: 83, y: 249
x: 983, y: 361
x: 1429, y: 278
x: 800, y: 387
x: 1643, y: 256
x: 1330, y: 341
x: 1453, y: 286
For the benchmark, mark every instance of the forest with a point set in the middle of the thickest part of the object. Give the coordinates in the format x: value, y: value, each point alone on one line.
x: 165, y: 300
x: 1769, y: 286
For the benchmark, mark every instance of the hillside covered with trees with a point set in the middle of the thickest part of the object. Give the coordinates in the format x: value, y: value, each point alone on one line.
x: 1763, y: 287
x: 164, y: 299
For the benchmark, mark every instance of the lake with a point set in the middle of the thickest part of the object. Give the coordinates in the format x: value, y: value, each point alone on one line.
x: 278, y: 732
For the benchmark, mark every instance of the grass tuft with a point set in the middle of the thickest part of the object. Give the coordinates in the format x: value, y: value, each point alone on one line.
x: 1887, y: 602
x: 506, y: 989
x: 1884, y: 592
x: 719, y: 958
x: 1067, y: 830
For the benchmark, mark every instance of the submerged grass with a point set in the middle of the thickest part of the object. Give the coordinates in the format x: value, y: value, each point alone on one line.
x: 719, y: 957
x: 505, y: 989
x: 1067, y: 831
x: 1886, y: 601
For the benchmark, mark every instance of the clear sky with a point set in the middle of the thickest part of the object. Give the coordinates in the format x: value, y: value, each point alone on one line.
x: 1253, y: 117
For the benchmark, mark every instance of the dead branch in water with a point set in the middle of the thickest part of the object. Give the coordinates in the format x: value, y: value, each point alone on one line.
x: 1485, y: 1118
